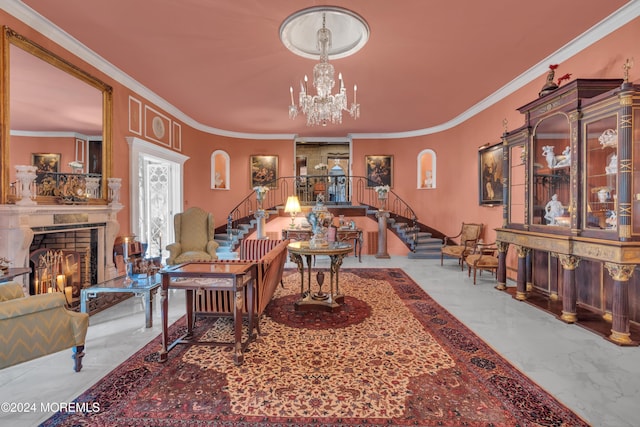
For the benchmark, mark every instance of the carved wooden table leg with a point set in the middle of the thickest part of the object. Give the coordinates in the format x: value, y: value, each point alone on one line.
x: 78, y: 354
x: 164, y: 303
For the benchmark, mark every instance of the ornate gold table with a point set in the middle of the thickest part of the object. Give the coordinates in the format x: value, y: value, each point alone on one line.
x: 320, y: 300
x: 343, y: 234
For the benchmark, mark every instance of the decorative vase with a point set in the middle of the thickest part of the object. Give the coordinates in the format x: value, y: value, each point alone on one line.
x: 26, y: 175
x: 382, y: 196
x: 93, y: 187
x: 260, y: 193
x: 603, y: 195
x: 114, y: 185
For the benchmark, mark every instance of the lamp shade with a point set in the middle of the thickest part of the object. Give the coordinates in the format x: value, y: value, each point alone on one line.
x: 293, y: 205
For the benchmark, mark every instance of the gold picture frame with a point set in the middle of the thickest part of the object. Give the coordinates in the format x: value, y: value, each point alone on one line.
x: 490, y: 175
x: 264, y: 171
x: 379, y: 170
x: 46, y: 162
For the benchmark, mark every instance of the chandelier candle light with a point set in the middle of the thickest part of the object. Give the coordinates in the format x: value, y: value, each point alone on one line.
x: 324, y: 107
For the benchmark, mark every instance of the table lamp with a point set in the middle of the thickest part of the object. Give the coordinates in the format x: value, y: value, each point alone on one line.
x: 292, y: 207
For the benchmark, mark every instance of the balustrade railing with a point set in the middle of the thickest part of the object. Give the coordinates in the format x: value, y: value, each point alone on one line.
x: 338, y: 190
x: 70, y: 188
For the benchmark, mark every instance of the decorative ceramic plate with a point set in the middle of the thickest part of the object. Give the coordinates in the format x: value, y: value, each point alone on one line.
x: 158, y: 127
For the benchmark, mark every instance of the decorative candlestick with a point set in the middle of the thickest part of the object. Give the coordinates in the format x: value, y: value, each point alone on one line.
x: 127, y: 264
x: 61, y: 282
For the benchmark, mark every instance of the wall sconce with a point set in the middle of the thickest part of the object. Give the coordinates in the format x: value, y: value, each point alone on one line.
x: 292, y: 207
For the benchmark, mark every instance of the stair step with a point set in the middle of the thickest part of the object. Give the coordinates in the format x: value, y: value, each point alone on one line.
x: 423, y: 255
x: 221, y: 237
x: 427, y: 249
x: 427, y: 240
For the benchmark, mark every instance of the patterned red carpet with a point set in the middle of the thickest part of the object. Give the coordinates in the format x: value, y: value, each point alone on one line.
x: 391, y: 357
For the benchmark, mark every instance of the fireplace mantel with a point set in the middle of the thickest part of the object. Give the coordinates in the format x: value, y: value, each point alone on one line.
x: 18, y: 224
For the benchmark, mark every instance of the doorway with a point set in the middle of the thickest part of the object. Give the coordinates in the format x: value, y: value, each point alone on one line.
x: 156, y: 194
x: 323, y: 165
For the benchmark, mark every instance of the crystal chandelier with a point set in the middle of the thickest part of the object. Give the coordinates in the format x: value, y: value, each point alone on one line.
x: 324, y: 107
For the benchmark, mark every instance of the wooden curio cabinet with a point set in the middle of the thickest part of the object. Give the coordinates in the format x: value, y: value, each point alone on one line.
x: 572, y: 206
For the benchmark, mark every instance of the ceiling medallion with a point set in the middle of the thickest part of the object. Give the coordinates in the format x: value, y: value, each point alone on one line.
x: 324, y: 31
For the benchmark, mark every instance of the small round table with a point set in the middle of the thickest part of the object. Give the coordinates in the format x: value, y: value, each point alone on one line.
x: 320, y: 300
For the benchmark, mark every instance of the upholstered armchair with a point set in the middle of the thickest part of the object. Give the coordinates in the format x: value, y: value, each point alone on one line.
x: 194, y: 230
x: 469, y: 235
x: 33, y: 326
x: 484, y: 257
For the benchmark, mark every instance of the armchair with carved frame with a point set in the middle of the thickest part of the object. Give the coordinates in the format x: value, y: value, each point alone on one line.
x: 469, y: 235
x: 484, y: 257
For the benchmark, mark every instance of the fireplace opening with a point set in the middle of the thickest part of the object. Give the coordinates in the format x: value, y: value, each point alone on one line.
x: 64, y: 259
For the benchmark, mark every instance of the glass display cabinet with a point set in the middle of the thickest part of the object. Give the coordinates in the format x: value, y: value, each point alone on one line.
x: 572, y: 206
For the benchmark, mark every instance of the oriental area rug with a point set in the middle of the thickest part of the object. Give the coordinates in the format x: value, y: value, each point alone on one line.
x: 390, y: 357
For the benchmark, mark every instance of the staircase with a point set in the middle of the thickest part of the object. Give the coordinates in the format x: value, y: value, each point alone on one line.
x: 421, y: 243
x: 426, y: 247
x: 402, y: 221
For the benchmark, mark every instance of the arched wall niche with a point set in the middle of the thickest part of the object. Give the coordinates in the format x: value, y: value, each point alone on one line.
x: 427, y: 169
x: 220, y: 164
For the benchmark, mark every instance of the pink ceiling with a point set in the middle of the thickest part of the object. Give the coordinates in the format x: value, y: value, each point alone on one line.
x: 221, y: 62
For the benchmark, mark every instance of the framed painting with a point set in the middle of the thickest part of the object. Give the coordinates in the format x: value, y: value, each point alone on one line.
x: 264, y: 171
x: 379, y: 171
x: 46, y: 162
x: 490, y: 175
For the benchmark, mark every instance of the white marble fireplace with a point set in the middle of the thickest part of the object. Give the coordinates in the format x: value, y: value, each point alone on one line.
x: 19, y: 224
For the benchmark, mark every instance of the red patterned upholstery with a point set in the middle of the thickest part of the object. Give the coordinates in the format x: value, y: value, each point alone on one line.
x: 271, y: 256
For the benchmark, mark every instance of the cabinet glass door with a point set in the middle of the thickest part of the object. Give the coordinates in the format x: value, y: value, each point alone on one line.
x: 601, y: 177
x: 635, y: 189
x: 517, y: 189
x: 551, y: 194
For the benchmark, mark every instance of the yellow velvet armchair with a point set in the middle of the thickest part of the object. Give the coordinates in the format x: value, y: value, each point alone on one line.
x: 194, y: 231
x: 469, y: 235
x: 33, y: 326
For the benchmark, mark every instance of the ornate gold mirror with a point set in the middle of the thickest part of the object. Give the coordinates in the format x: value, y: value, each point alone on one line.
x: 55, y: 116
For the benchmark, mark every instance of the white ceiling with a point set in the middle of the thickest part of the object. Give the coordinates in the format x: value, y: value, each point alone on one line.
x: 220, y: 66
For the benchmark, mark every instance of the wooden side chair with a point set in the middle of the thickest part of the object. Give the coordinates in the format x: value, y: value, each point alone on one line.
x: 485, y: 257
x: 469, y: 235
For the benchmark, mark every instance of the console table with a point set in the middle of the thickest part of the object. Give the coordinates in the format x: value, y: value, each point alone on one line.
x: 342, y: 235
x: 210, y: 276
x: 331, y: 300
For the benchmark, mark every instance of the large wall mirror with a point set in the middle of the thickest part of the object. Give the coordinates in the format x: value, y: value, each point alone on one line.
x: 55, y: 116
